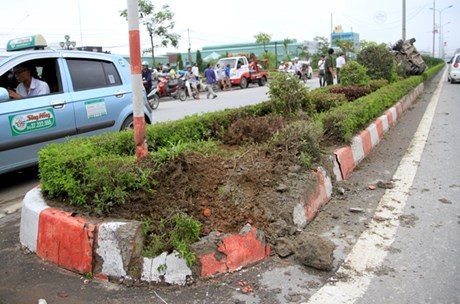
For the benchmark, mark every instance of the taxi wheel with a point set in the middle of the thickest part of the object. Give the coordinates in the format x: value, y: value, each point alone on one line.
x: 128, y: 123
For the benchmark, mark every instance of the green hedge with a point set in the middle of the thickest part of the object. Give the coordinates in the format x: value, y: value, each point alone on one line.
x: 340, y: 123
x: 74, y: 171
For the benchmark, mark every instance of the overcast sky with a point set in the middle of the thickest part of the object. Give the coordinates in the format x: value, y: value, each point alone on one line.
x: 206, y: 22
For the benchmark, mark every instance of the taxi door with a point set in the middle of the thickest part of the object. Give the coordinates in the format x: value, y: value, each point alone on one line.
x: 102, y: 101
x: 28, y: 124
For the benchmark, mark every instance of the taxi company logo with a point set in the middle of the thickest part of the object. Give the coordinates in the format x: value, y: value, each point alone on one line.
x: 19, y: 122
x: 40, y: 116
x: 19, y: 41
x: 35, y: 121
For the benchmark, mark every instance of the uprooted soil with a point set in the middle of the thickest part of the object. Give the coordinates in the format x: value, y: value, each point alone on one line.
x: 259, y: 186
x: 255, y: 185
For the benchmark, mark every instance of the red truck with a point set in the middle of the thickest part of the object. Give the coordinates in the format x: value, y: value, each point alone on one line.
x: 243, y: 72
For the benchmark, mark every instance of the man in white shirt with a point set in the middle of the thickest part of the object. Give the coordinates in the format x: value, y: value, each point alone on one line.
x: 281, y: 66
x: 191, y: 82
x: 28, y: 85
x: 322, y: 79
x: 195, y: 70
x: 339, y: 63
x: 295, y: 67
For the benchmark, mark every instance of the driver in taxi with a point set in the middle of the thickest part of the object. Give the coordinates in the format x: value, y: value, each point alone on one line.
x: 28, y: 85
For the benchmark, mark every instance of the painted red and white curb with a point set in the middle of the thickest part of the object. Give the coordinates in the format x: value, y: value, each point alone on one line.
x: 346, y: 158
x: 308, y: 207
x: 109, y: 249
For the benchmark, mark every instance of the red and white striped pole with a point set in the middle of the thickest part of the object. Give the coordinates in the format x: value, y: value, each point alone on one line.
x: 136, y: 79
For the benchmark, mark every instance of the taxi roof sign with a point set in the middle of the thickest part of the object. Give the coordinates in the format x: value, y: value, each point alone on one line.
x: 35, y: 42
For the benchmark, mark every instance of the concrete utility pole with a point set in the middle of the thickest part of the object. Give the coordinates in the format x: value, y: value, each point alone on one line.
x: 189, y: 48
x: 136, y: 79
x: 434, y: 24
x: 331, y: 30
x: 404, y: 20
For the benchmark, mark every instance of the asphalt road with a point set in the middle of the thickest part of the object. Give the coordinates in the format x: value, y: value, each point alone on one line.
x: 173, y: 109
x: 410, y: 255
x: 420, y: 264
x: 426, y: 268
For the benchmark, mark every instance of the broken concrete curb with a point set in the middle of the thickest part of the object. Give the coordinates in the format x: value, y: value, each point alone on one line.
x: 346, y: 158
x: 110, y: 249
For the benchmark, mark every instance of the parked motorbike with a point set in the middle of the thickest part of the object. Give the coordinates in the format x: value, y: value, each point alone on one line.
x: 167, y: 87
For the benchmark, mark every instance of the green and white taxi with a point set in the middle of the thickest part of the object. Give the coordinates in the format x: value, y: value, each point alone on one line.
x: 89, y: 93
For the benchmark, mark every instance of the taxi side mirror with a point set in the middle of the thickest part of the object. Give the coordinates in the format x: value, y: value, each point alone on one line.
x: 4, y: 96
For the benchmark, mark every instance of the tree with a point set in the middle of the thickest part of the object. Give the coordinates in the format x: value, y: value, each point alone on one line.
x: 379, y: 61
x: 179, y: 62
x: 286, y: 42
x: 263, y: 38
x: 353, y: 73
x: 323, y: 45
x: 159, y: 25
x: 199, y: 60
x: 271, y: 60
x: 365, y: 43
x: 321, y: 49
x: 346, y: 47
x: 304, y: 52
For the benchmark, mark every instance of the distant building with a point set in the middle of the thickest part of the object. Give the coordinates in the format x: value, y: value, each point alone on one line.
x: 339, y: 35
x: 294, y: 49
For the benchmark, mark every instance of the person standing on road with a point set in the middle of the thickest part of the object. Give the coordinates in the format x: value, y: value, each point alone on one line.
x: 321, y: 64
x: 329, y: 67
x: 339, y: 63
x: 281, y: 67
x: 219, y: 72
x: 227, y: 75
x: 196, y: 71
x: 210, y: 79
x: 296, y: 67
x: 146, y: 76
x: 190, y: 82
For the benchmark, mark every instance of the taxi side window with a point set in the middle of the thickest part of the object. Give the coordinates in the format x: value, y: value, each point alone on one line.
x: 92, y: 74
x: 43, y: 69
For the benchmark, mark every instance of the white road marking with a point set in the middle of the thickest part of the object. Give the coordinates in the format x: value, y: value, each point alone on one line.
x: 368, y: 254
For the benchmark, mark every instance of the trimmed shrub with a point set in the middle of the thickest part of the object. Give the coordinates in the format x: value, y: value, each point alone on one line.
x: 288, y: 95
x: 379, y: 61
x: 351, y: 92
x: 342, y: 122
x: 431, y: 61
x: 375, y: 84
x: 85, y: 176
x: 323, y: 101
x: 353, y: 74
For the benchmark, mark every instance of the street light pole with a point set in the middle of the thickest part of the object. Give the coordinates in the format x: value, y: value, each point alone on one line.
x: 440, y: 28
x: 440, y: 25
x: 434, y: 24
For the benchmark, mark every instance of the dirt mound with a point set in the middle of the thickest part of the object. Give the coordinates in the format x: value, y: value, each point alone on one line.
x: 222, y: 193
x: 259, y: 186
